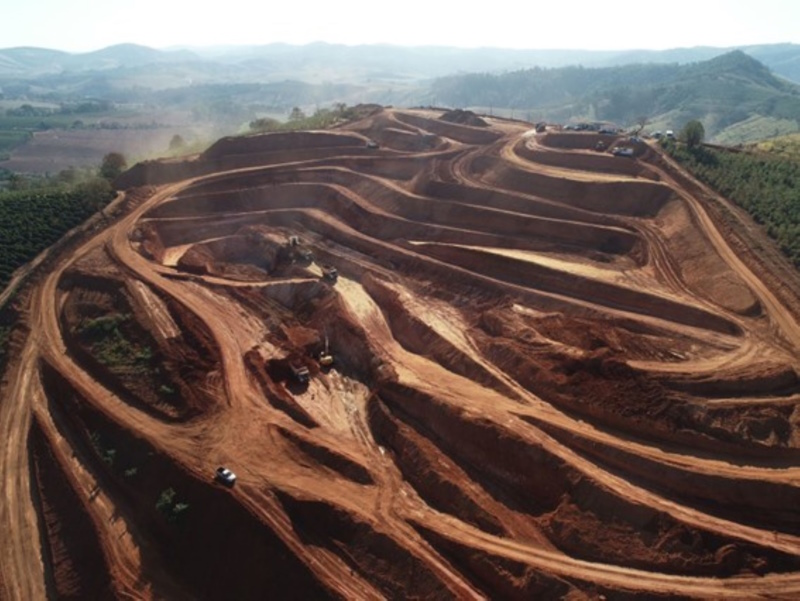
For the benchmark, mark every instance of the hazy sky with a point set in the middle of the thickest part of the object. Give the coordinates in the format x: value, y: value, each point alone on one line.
x: 83, y: 25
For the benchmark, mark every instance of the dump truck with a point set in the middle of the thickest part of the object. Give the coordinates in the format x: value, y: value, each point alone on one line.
x: 299, y: 372
x: 329, y: 273
x: 296, y: 251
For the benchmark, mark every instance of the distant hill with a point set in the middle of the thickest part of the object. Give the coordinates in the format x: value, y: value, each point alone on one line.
x: 736, y: 97
x: 126, y: 56
x: 782, y: 59
x: 29, y: 63
x: 437, y: 61
x: 338, y: 62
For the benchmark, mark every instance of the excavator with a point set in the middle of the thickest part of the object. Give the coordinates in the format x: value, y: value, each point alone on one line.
x: 325, y: 357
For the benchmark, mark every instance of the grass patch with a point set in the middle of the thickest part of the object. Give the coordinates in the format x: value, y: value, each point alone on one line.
x: 111, y: 347
x: 783, y: 146
x: 756, y: 127
x: 169, y: 506
x: 321, y: 119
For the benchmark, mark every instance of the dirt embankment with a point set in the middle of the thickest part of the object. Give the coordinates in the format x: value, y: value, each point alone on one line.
x: 282, y: 141
x: 433, y: 475
x: 417, y: 336
x: 390, y: 133
x: 502, y: 578
x: 463, y: 117
x: 750, y: 240
x: 632, y: 198
x: 328, y: 458
x: 581, y: 517
x: 598, y: 162
x: 198, y: 542
x: 389, y: 215
x: 576, y: 141
x: 524, y: 273
x: 597, y: 387
x: 242, y: 152
x: 74, y: 557
x: 773, y: 503
x: 366, y: 549
x: 461, y: 133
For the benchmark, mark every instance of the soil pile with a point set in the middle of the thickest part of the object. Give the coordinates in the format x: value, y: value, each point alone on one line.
x: 464, y: 118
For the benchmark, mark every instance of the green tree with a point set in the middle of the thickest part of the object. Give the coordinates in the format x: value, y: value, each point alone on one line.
x: 96, y: 192
x: 693, y: 133
x: 17, y: 182
x: 170, y: 507
x: 264, y: 124
x: 113, y: 165
x: 165, y: 500
x: 297, y: 114
x: 67, y: 176
x: 177, y: 143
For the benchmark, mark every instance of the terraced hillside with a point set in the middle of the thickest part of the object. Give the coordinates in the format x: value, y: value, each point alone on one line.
x: 540, y: 371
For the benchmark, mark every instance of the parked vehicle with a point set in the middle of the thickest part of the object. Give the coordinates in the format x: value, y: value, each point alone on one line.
x: 225, y: 476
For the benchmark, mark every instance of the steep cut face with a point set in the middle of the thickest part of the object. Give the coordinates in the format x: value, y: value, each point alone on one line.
x: 444, y: 355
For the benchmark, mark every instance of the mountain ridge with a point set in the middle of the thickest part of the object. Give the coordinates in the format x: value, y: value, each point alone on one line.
x: 727, y: 93
x: 418, y: 61
x: 736, y: 96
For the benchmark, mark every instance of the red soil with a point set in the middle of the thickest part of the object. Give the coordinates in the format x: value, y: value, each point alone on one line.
x: 541, y: 371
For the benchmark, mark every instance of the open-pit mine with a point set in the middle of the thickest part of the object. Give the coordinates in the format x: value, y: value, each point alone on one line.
x: 422, y: 355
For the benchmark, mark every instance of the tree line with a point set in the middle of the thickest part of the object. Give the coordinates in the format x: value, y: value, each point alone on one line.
x: 322, y: 118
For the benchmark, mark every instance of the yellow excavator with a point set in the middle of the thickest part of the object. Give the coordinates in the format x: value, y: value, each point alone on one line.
x: 325, y: 357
